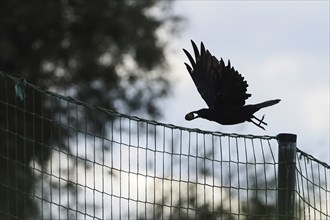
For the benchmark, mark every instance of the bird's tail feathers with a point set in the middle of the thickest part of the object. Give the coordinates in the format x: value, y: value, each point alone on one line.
x: 267, y: 103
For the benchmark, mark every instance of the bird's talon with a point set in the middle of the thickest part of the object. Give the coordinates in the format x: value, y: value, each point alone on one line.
x: 262, y: 121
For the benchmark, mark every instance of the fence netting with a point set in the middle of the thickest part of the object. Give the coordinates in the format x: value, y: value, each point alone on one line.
x: 61, y: 158
x: 312, y: 187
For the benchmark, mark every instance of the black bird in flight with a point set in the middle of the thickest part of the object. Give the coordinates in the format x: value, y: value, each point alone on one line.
x: 223, y: 89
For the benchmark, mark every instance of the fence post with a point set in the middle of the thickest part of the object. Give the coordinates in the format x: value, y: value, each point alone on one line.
x: 286, y: 176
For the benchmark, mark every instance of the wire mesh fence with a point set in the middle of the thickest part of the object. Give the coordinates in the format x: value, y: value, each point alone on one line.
x: 313, y: 187
x: 65, y: 159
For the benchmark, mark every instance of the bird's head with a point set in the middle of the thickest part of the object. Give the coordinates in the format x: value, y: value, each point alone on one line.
x: 202, y: 113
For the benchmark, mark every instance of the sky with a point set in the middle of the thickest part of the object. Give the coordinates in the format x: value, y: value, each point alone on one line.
x: 282, y: 50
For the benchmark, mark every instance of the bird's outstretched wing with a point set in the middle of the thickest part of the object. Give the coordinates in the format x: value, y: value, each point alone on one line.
x: 220, y: 85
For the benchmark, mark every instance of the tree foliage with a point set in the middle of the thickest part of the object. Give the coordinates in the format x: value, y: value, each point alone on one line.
x: 104, y: 52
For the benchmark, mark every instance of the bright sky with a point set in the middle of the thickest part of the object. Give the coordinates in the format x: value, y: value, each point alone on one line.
x: 282, y: 50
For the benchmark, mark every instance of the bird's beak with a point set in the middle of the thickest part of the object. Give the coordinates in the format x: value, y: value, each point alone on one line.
x: 190, y: 116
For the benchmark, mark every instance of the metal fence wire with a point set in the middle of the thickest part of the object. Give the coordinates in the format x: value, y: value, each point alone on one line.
x: 61, y: 158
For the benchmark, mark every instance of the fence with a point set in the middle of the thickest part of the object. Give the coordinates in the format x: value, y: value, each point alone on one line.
x: 61, y: 158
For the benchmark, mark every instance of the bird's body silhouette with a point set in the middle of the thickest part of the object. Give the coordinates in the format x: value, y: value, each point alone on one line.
x: 223, y: 89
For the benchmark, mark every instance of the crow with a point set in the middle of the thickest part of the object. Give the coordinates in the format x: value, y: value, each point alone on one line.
x: 223, y: 89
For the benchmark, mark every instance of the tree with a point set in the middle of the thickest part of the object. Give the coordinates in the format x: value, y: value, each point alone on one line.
x: 107, y: 53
